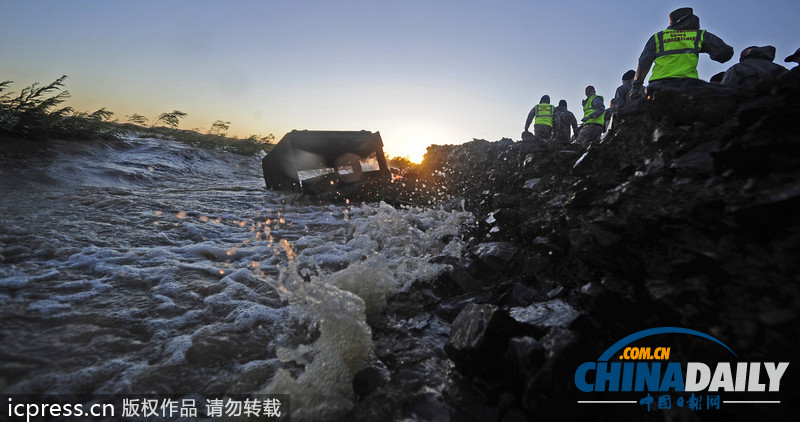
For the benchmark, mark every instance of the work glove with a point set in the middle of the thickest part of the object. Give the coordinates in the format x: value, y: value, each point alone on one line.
x: 636, y: 91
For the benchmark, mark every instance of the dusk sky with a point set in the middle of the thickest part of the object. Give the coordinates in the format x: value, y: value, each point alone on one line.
x: 420, y: 72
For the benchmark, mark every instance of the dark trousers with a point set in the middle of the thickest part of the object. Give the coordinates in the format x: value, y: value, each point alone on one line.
x: 542, y: 131
x: 589, y: 134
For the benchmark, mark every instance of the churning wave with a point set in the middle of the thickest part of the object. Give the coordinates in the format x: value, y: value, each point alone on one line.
x: 149, y: 266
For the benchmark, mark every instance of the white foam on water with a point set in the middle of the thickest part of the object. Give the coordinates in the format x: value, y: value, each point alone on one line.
x: 408, y: 238
x: 176, y: 349
x: 386, y: 250
x: 235, y: 286
x: 145, y: 252
x: 324, y: 390
x: 370, y: 279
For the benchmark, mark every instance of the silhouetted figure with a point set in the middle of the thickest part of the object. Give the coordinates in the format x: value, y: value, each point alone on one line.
x: 564, y: 121
x: 623, y: 104
x: 755, y: 65
x: 794, y: 58
x: 542, y: 116
x: 674, y: 53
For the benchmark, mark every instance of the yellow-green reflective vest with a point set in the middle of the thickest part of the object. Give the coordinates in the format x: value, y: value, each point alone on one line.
x: 544, y: 114
x: 677, y: 51
x: 588, y: 109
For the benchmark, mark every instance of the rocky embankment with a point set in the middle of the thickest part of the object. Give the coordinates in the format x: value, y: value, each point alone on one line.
x: 686, y: 215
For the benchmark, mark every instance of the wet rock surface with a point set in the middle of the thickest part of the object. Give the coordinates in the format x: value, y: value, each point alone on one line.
x: 687, y: 214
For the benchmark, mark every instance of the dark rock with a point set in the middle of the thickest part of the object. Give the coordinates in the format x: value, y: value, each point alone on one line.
x: 777, y: 316
x: 544, y: 391
x: 555, y: 291
x: 416, y: 300
x: 507, y: 218
x: 454, y: 281
x: 604, y: 237
x: 504, y: 200
x: 581, y: 199
x: 617, y: 285
x: 545, y: 245
x: 526, y: 353
x: 583, y: 165
x: 698, y: 160
x: 579, y: 239
x: 536, y: 263
x: 558, y: 340
x: 533, y: 184
x: 478, y: 337
x: 522, y: 295
x: 668, y: 135
x: 471, y: 402
x: 430, y: 407
x: 450, y: 308
x: 505, y: 143
x: 495, y: 254
x: 368, y: 380
x: 687, y: 213
x: 553, y: 313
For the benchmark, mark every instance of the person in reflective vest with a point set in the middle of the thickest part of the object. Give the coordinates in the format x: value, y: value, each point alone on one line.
x: 593, y: 118
x: 674, y: 53
x: 542, y: 116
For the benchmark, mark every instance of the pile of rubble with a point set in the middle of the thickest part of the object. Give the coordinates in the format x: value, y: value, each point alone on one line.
x: 687, y: 214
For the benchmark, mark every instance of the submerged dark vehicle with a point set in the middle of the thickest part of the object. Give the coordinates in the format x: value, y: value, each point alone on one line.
x: 329, y: 164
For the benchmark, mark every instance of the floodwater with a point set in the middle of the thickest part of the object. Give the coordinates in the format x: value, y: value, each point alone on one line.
x: 148, y: 266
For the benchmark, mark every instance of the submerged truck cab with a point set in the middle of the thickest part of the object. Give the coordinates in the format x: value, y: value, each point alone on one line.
x: 335, y: 164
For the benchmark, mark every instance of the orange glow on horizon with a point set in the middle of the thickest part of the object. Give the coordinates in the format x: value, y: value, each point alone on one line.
x: 414, y: 157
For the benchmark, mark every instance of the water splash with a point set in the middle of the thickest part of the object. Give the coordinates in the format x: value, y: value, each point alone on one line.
x: 386, y: 250
x: 324, y: 390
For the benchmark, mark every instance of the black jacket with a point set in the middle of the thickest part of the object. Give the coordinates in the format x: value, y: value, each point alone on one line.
x: 755, y: 65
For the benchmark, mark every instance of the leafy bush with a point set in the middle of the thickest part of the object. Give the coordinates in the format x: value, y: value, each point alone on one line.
x: 33, y: 114
x: 171, y: 119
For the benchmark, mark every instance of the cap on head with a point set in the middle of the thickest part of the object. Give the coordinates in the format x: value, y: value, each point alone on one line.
x: 545, y: 99
x: 627, y: 76
x: 794, y: 57
x: 678, y: 14
x: 746, y: 52
x: 562, y: 103
x: 766, y: 52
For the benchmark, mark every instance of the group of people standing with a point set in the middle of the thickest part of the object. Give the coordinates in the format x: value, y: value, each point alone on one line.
x: 673, y: 55
x: 555, y: 122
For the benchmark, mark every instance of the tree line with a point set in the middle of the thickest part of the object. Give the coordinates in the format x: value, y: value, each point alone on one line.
x: 37, y: 113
